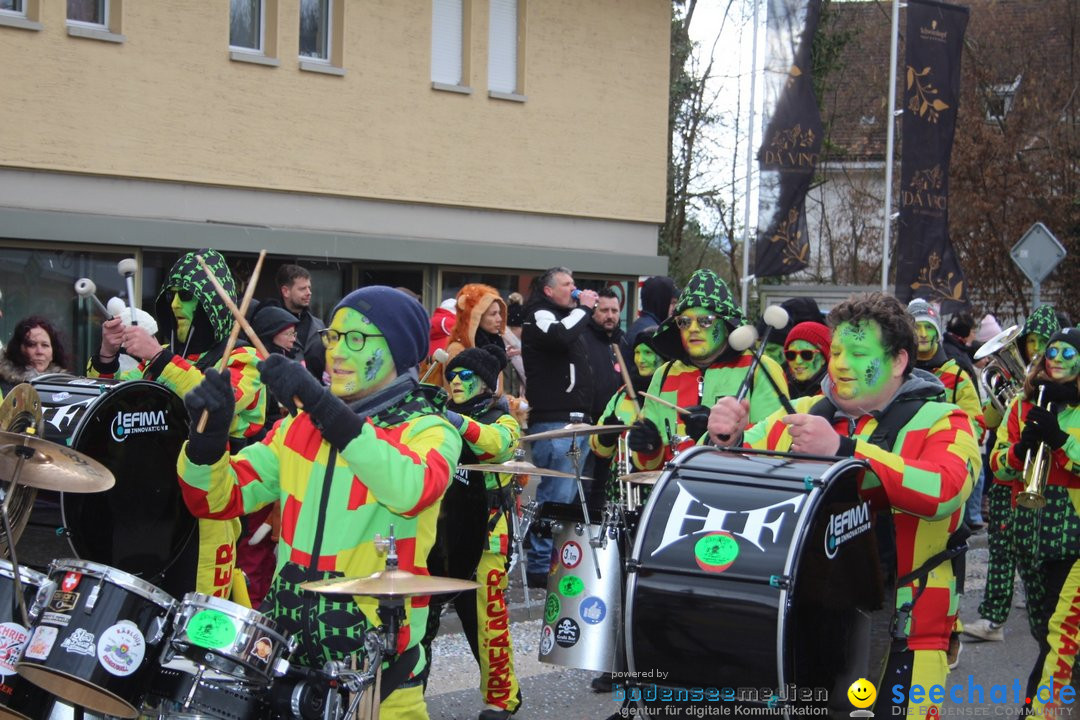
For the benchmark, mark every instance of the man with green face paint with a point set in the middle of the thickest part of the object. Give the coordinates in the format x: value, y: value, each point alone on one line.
x: 922, y: 479
x: 704, y: 368
x: 370, y: 454
x: 959, y: 388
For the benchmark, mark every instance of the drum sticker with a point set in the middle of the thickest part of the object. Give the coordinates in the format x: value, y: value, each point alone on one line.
x: 63, y: 395
x: 567, y: 633
x: 63, y: 602
x: 593, y: 610
x: 211, y: 629
x: 70, y: 581
x: 41, y: 643
x: 12, y: 638
x: 547, y: 640
x: 716, y: 552
x: 55, y: 618
x: 80, y: 642
x: 552, y: 608
x: 846, y: 526
x: 121, y: 648
x: 571, y: 554
x: 571, y: 586
x: 137, y: 423
x: 262, y: 649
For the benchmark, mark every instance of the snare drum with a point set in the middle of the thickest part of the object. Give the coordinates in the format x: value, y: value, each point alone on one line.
x: 235, y: 640
x: 135, y: 429
x: 758, y: 571
x: 95, y: 642
x: 18, y: 697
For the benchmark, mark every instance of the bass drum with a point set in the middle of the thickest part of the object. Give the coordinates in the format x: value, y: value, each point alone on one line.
x: 758, y: 571
x: 134, y: 428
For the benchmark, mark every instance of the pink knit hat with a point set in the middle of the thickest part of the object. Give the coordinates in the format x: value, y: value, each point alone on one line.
x: 814, y: 333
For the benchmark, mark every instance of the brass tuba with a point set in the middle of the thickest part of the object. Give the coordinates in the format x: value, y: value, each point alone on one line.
x: 20, y: 412
x: 1036, y: 472
x: 1003, y: 376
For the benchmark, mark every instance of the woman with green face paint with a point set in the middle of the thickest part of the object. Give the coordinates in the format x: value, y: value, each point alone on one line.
x: 806, y: 353
x: 1047, y: 540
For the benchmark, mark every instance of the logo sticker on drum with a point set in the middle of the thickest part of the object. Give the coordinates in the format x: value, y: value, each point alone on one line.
x: 593, y: 610
x: 211, y: 629
x: 547, y: 640
x: 846, y: 526
x: 41, y: 643
x: 551, y: 608
x: 79, y: 642
x: 12, y: 638
x: 571, y: 586
x: 55, y: 618
x: 121, y: 648
x: 63, y: 602
x: 567, y: 633
x: 716, y: 552
x: 138, y: 422
x: 70, y: 581
x: 262, y: 649
x: 571, y: 554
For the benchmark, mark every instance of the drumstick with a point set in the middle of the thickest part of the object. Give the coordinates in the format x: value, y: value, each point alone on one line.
x: 238, y: 314
x: 665, y: 403
x: 626, y: 379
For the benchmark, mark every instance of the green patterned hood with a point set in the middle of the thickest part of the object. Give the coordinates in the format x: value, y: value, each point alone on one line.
x: 1042, y: 321
x: 213, y: 321
x: 705, y: 290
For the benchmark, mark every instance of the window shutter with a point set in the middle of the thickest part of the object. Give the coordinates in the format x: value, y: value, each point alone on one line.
x: 502, y: 46
x: 446, y: 31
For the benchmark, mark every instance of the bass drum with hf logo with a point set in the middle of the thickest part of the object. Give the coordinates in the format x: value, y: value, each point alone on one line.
x: 135, y: 428
x: 763, y: 571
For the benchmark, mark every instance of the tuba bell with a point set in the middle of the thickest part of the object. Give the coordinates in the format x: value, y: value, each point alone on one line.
x: 1003, y: 376
x: 20, y: 412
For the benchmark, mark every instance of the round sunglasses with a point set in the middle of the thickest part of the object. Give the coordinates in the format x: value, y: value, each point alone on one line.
x: 804, y: 355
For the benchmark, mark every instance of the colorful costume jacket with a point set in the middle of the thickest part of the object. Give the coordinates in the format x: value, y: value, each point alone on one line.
x: 390, y: 477
x: 925, y: 479
x: 959, y: 389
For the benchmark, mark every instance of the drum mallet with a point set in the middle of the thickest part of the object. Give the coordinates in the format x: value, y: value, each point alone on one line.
x: 238, y: 318
x: 775, y: 318
x: 128, y: 267
x: 86, y: 289
x: 626, y: 379
x: 665, y: 403
x: 439, y: 357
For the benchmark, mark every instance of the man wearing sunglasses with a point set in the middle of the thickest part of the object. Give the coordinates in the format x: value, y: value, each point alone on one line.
x: 368, y: 456
x: 704, y: 369
x: 195, y: 324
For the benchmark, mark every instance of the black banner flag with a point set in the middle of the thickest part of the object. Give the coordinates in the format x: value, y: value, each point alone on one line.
x: 927, y: 265
x: 792, y: 140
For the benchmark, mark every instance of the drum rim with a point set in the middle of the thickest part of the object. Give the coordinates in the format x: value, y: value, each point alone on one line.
x: 120, y: 578
x: 82, y: 682
x: 202, y: 600
x: 26, y: 575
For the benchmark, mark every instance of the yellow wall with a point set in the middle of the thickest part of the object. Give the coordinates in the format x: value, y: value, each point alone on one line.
x: 169, y: 104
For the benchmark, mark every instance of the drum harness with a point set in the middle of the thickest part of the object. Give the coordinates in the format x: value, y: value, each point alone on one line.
x: 884, y: 436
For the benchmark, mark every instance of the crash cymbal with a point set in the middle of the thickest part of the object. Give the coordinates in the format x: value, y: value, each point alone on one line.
x: 641, y: 478
x: 389, y: 583
x: 574, y: 429
x: 519, y: 467
x: 50, y: 466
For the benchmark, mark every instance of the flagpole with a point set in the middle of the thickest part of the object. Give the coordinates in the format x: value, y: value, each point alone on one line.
x: 750, y: 155
x: 890, y: 147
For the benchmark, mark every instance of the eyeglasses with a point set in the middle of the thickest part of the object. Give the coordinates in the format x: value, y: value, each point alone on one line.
x: 685, y: 322
x: 289, y: 333
x: 184, y: 295
x: 1067, y: 354
x: 804, y: 355
x: 354, y: 339
x: 465, y: 375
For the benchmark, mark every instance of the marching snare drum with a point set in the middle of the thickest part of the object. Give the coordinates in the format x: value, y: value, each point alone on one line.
x: 95, y: 642
x: 19, y: 698
x: 135, y: 429
x: 758, y: 571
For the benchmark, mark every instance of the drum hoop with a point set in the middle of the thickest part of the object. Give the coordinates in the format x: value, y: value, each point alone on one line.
x: 121, y: 579
x: 251, y: 615
x: 26, y: 575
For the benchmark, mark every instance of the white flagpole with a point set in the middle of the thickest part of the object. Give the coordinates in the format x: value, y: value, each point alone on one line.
x: 751, y: 154
x: 890, y: 147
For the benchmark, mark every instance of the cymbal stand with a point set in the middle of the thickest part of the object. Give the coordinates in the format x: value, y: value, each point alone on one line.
x: 24, y: 452
x: 574, y: 453
x: 519, y: 529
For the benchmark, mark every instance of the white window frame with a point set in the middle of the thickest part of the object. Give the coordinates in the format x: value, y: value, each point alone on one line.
x: 438, y: 80
x: 108, y: 31
x: 266, y: 53
x: 327, y: 30
x: 498, y: 36
x: 1006, y: 92
x: 25, y: 18
x: 334, y: 62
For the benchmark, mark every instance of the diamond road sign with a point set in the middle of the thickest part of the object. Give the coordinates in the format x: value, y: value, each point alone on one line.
x: 1037, y: 253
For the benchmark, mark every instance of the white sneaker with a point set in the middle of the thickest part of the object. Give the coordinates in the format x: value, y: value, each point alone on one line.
x: 985, y: 630
x: 952, y: 656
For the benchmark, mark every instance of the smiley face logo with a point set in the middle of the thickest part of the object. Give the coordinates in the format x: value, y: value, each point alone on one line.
x: 862, y: 693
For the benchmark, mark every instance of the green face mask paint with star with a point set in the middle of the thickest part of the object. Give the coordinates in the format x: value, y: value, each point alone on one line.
x: 701, y: 343
x: 184, y: 312
x: 464, y: 385
x: 801, y: 368
x: 859, y: 365
x: 356, y: 372
x: 927, y: 336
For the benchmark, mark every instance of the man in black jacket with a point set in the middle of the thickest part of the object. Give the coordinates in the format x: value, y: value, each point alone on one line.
x: 560, y: 383
x: 603, y: 332
x: 294, y: 294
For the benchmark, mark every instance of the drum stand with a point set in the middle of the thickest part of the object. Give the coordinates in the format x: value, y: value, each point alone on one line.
x: 574, y: 453
x: 23, y: 453
x: 520, y: 529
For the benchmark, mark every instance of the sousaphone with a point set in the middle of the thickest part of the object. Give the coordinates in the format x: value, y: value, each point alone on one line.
x: 20, y: 412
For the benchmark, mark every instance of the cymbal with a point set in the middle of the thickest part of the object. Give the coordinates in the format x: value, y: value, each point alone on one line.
x: 573, y: 430
x: 641, y: 478
x: 389, y: 583
x: 519, y: 467
x: 52, y: 466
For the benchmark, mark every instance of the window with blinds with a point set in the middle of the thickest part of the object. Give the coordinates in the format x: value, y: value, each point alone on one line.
x: 503, y: 46
x: 447, y: 30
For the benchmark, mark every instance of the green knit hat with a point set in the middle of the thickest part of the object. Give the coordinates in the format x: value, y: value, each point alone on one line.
x: 705, y: 290
x: 1043, y: 321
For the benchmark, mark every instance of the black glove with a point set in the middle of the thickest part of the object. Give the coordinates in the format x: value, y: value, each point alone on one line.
x: 697, y: 422
x: 1045, y: 423
x: 289, y: 381
x: 644, y: 436
x: 1030, y: 438
x: 610, y: 438
x: 214, y: 395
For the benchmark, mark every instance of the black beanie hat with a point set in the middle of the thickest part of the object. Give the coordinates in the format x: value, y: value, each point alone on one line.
x: 269, y: 320
x: 1068, y: 335
x: 487, y: 362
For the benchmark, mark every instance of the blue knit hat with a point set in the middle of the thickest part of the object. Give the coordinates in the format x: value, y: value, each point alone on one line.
x: 400, y: 318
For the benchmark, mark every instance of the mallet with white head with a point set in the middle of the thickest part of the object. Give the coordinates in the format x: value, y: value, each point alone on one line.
x: 85, y: 288
x: 128, y: 267
x: 775, y: 318
x: 439, y: 357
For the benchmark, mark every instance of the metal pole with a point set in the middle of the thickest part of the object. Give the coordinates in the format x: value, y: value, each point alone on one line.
x: 745, y: 295
x: 890, y: 147
x: 1036, y: 292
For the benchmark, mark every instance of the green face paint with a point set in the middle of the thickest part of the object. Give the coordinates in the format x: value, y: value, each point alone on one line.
x: 184, y: 312
x: 645, y: 360
x: 702, y: 344
x: 858, y: 364
x: 465, y: 387
x: 927, y: 336
x: 355, y: 373
x: 801, y: 368
x: 1035, y: 344
x: 1065, y: 365
x: 775, y: 351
